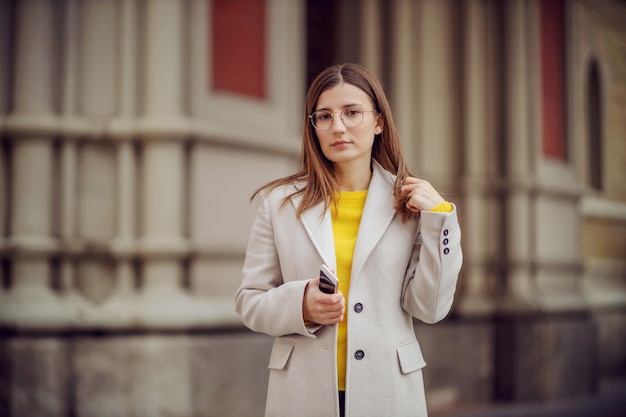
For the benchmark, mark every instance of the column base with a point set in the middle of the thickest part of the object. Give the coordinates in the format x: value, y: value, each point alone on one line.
x: 545, y: 356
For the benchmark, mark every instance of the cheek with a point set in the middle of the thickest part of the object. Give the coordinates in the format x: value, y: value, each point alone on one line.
x: 366, y: 134
x: 323, y: 138
x: 323, y: 142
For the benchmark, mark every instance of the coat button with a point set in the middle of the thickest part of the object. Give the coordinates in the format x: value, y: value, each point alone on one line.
x: 359, y: 354
x: 358, y: 307
x: 446, y: 251
x: 445, y: 241
x: 445, y: 232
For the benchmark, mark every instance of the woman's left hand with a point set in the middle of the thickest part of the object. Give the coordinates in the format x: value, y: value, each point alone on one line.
x: 420, y: 195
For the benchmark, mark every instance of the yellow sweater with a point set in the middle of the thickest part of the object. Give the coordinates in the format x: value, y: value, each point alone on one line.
x: 346, y: 216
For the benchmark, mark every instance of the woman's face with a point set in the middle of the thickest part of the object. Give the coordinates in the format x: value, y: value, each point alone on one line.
x: 342, y: 144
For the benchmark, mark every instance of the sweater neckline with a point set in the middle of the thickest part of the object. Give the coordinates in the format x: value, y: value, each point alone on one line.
x: 353, y: 195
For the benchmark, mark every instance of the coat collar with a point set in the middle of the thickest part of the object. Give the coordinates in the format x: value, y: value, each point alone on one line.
x: 377, y: 215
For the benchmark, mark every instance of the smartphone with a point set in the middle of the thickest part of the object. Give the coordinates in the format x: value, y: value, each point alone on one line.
x: 328, y: 280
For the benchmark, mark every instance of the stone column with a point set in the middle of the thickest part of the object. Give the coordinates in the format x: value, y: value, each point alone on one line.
x: 515, y: 322
x: 477, y: 297
x: 371, y: 36
x: 120, y: 307
x: 437, y: 139
x: 31, y: 126
x: 164, y: 303
x: 4, y: 103
x: 405, y: 76
x: 535, y: 356
x: 519, y: 148
x: 5, y: 50
x: 4, y: 198
x: 68, y: 169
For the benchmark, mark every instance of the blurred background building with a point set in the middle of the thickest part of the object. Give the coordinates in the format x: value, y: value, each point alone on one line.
x: 133, y: 133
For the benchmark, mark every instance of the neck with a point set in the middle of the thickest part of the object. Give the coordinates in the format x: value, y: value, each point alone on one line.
x: 353, y: 178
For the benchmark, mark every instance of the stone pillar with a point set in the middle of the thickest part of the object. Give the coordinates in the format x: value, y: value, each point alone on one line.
x: 404, y: 76
x: 120, y: 307
x: 437, y: 138
x: 543, y: 351
x: 5, y: 17
x: 519, y: 147
x: 371, y: 37
x: 477, y: 295
x: 164, y: 303
x: 68, y: 169
x: 4, y: 194
x: 31, y: 127
x: 512, y: 380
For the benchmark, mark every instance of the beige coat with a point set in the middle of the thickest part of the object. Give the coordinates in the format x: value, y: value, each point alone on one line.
x: 399, y: 271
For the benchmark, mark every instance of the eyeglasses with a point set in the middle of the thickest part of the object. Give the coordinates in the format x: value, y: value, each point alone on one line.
x: 351, y: 117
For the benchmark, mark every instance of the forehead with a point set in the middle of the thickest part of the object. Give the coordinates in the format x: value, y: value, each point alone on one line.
x: 342, y: 95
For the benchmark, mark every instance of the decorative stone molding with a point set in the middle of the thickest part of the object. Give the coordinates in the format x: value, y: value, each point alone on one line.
x: 109, y: 147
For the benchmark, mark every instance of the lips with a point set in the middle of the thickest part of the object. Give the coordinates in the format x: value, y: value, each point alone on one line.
x: 340, y: 143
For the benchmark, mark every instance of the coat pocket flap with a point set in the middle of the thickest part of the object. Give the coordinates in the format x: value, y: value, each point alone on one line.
x: 281, y: 351
x: 410, y: 357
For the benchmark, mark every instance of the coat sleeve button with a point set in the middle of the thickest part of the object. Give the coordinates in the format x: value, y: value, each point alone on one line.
x: 445, y: 241
x: 445, y: 232
x: 358, y: 307
x: 359, y: 354
x: 446, y: 251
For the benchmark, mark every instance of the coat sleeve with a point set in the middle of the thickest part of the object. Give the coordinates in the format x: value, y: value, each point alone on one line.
x: 265, y: 302
x: 431, y: 278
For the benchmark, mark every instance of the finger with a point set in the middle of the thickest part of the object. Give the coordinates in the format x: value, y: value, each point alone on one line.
x: 324, y: 304
x: 334, y: 320
x: 413, y: 185
x: 329, y: 317
x: 412, y: 207
x: 420, y: 186
x: 335, y: 298
x: 327, y: 301
x: 411, y: 180
x: 334, y: 308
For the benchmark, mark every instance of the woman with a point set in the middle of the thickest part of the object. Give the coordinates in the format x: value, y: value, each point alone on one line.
x: 391, y: 238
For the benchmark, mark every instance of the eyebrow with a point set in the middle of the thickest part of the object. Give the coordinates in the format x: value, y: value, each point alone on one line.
x: 343, y: 107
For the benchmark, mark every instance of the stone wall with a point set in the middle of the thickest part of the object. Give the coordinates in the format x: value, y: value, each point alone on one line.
x: 134, y: 374
x: 124, y: 211
x: 599, y: 34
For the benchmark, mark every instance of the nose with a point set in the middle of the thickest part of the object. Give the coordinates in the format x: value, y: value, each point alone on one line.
x: 338, y: 123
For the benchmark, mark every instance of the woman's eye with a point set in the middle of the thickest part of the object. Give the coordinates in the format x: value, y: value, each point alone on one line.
x: 323, y: 116
x: 352, y: 112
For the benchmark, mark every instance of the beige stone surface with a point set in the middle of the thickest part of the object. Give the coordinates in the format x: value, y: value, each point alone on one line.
x: 124, y: 188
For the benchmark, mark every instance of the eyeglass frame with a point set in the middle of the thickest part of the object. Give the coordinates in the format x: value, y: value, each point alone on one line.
x: 332, y: 120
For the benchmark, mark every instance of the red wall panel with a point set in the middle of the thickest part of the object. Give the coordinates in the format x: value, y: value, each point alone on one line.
x: 553, y: 78
x: 238, y: 58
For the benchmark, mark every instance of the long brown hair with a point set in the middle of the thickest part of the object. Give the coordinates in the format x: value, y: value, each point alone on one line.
x: 316, y: 170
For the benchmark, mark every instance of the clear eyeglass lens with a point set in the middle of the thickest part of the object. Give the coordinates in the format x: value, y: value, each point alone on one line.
x: 322, y: 120
x: 352, y: 117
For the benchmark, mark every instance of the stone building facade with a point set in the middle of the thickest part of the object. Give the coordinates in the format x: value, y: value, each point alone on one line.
x: 134, y: 131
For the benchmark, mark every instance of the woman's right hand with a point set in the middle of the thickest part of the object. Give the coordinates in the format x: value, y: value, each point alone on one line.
x: 322, y: 308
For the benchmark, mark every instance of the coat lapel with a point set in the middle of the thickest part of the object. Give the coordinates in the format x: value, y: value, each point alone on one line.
x: 318, y: 224
x: 378, y: 213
